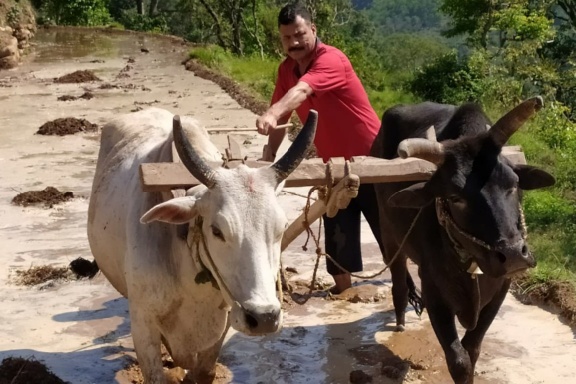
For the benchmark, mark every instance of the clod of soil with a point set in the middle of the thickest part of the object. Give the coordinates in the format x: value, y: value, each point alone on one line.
x: 66, y: 126
x: 85, y: 95
x: 17, y: 370
x: 84, y: 268
x: 49, y: 196
x: 360, y: 377
x: 77, y: 77
x: 108, y: 86
x: 41, y: 274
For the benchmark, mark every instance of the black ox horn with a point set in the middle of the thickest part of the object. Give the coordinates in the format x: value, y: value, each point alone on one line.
x: 513, y: 120
x: 194, y: 163
x: 297, y: 151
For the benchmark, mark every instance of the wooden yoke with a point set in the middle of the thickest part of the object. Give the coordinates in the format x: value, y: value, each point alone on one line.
x: 337, y: 197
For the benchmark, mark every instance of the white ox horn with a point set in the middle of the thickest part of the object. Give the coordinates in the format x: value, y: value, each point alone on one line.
x: 431, y: 133
x: 194, y: 163
x: 424, y: 149
x: 299, y: 148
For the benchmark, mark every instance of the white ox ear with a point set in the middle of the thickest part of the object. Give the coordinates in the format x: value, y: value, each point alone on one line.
x: 175, y: 211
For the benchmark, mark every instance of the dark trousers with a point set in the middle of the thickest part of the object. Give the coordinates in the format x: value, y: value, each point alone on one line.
x: 342, y: 232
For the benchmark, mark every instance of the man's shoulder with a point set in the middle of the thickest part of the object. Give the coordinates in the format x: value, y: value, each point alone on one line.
x: 331, y: 53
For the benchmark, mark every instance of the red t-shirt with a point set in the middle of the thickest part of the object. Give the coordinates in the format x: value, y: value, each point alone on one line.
x: 347, y: 123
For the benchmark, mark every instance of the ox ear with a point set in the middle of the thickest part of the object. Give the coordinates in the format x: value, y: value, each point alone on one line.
x: 175, y: 211
x: 415, y: 196
x: 532, y: 177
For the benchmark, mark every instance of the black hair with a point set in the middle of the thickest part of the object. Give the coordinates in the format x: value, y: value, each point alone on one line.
x: 290, y: 11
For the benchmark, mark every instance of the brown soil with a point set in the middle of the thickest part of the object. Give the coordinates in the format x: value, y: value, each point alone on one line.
x: 66, y: 126
x: 41, y: 274
x: 559, y: 294
x: 85, y: 96
x: 229, y: 86
x: 16, y: 370
x: 77, y: 77
x: 49, y: 196
x: 133, y: 374
x: 84, y: 268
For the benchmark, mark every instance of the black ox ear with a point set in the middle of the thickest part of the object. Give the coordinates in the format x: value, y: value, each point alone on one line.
x: 532, y: 177
x: 415, y: 196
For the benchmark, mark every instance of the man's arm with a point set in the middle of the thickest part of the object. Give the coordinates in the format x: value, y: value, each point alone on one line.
x: 279, y: 113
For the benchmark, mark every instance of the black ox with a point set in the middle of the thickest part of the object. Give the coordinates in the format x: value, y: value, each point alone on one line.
x: 470, y: 217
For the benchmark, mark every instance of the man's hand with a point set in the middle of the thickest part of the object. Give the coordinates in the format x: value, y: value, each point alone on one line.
x: 266, y: 123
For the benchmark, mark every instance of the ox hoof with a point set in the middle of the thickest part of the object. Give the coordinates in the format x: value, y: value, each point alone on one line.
x: 174, y: 375
x: 399, y: 328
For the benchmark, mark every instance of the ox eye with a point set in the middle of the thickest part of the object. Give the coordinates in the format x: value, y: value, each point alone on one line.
x: 455, y: 199
x: 217, y: 232
x: 511, y: 191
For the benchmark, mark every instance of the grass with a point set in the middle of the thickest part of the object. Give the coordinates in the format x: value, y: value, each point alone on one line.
x: 550, y: 213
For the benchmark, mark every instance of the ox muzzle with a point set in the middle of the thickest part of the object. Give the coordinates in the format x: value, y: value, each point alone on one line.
x: 514, y: 257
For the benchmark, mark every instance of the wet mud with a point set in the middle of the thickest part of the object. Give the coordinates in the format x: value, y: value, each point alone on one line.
x: 326, y: 339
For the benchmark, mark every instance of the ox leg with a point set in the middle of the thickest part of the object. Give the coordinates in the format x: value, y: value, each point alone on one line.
x: 205, y: 369
x: 399, y: 272
x: 147, y: 343
x: 443, y: 323
x: 472, y: 340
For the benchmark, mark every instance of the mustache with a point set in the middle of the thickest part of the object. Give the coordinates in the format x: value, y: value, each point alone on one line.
x: 294, y: 49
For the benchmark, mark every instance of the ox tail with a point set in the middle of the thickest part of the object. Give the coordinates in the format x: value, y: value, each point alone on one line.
x: 84, y: 268
x: 413, y: 297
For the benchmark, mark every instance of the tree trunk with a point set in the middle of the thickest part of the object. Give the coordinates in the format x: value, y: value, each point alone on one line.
x: 214, y: 16
x: 140, y: 6
x: 153, y: 6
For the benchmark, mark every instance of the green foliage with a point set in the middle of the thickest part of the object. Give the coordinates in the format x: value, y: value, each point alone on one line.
x: 544, y: 208
x: 402, y: 16
x: 13, y: 15
x: 77, y: 12
x: 448, y: 79
x: 136, y: 22
x: 254, y: 72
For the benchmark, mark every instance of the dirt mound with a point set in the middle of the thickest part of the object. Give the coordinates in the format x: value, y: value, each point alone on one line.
x: 66, y: 126
x: 77, y: 77
x: 559, y: 294
x: 85, y: 96
x: 41, y: 274
x: 49, y: 196
x: 229, y: 86
x: 17, y: 370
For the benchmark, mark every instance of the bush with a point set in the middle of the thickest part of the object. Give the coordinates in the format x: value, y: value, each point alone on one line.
x: 136, y: 22
x: 448, y: 79
x: 545, y: 207
x: 77, y: 12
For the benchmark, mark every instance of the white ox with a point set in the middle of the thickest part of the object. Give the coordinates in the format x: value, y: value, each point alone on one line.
x: 235, y: 226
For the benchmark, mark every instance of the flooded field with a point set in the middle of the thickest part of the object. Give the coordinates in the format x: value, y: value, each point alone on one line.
x: 81, y: 329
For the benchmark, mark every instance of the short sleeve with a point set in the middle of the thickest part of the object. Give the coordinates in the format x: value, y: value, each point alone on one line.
x: 327, y: 73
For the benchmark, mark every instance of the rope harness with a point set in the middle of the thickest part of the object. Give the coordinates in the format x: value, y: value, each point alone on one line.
x: 447, y: 222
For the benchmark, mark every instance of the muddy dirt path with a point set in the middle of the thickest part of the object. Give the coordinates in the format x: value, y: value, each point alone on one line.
x: 81, y: 329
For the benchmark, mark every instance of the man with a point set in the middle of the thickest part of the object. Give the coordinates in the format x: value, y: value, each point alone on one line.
x: 317, y: 76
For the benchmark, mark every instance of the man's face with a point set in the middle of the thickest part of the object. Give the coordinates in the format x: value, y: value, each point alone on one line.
x: 298, y: 38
